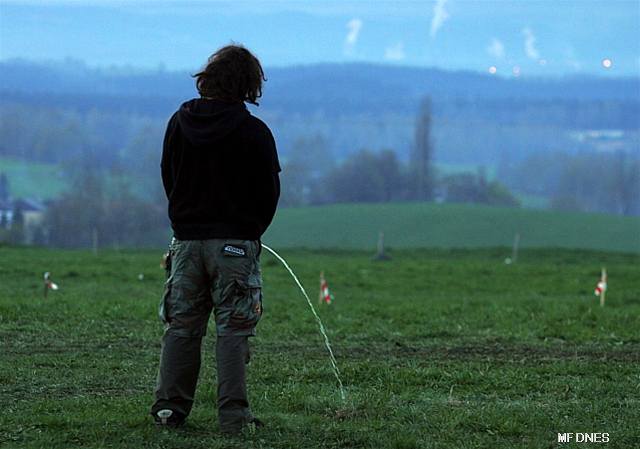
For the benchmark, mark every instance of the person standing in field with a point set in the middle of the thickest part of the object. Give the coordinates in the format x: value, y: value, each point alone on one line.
x: 220, y: 174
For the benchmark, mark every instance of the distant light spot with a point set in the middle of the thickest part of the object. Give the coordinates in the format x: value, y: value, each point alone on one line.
x: 493, y: 69
x: 516, y: 70
x: 607, y: 63
x: 542, y: 62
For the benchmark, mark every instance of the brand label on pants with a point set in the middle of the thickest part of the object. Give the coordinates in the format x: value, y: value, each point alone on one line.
x: 231, y: 250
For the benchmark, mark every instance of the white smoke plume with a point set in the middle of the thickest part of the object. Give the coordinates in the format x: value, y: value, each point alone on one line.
x: 496, y: 49
x: 353, y: 26
x: 440, y: 15
x: 530, y: 44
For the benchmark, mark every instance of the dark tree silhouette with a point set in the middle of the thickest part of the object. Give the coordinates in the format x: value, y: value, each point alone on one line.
x: 5, y: 190
x: 421, y: 155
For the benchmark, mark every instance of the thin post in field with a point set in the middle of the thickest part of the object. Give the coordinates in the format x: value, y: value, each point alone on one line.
x: 94, y: 240
x: 380, y: 254
x: 516, y: 245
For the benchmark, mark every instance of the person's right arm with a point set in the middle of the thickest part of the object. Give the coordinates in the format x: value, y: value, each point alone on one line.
x: 269, y: 191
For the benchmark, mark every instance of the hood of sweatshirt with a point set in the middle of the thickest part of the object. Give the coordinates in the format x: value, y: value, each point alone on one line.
x: 203, y: 121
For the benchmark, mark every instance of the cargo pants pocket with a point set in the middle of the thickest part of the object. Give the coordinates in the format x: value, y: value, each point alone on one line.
x: 247, y: 304
x: 168, y: 261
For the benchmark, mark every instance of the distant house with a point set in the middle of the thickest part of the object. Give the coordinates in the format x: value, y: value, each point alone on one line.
x: 32, y: 212
x: 6, y: 214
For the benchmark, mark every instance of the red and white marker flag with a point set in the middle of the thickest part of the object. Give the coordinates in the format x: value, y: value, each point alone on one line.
x: 48, y: 283
x: 325, y: 295
x: 601, y: 286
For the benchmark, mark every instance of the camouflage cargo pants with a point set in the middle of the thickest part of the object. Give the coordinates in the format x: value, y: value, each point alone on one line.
x: 222, y: 275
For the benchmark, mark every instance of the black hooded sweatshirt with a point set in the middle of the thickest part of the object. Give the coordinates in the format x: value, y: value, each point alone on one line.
x: 220, y: 172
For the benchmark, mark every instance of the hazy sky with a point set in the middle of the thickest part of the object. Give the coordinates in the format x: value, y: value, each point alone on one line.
x: 525, y: 37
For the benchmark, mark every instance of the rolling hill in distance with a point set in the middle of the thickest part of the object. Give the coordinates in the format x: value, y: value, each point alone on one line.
x: 428, y: 225
x: 358, y: 87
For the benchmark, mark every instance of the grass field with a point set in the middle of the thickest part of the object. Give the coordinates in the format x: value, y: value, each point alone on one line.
x: 438, y: 349
x: 427, y: 225
x: 533, y: 201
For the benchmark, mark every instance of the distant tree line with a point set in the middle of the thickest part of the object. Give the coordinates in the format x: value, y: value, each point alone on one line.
x: 100, y: 209
x: 591, y: 182
x: 53, y: 135
x: 95, y: 213
x: 368, y: 176
x: 311, y: 175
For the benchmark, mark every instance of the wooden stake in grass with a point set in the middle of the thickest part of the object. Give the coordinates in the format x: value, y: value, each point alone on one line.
x: 94, y: 240
x: 514, y: 250
x: 380, y: 255
x: 601, y: 287
x: 516, y: 245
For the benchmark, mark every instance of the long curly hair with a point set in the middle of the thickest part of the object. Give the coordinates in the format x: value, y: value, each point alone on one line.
x: 233, y: 74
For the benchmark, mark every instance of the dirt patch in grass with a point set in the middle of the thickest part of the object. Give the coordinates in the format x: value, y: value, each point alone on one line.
x: 31, y: 346
x: 472, y: 352
x: 524, y: 353
x: 362, y: 349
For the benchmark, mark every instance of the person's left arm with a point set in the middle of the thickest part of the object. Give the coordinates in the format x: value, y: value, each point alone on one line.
x: 168, y: 149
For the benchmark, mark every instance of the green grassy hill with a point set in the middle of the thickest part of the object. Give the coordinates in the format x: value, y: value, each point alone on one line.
x: 422, y: 225
x: 32, y: 180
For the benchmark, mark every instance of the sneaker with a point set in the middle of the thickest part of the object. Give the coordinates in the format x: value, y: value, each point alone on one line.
x: 168, y: 418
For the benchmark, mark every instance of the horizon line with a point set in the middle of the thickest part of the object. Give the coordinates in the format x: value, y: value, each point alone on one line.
x: 128, y: 68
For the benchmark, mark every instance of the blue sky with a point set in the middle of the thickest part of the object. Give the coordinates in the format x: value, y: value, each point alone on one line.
x: 521, y: 37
